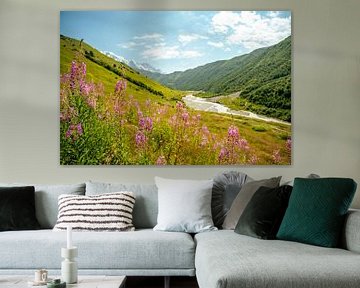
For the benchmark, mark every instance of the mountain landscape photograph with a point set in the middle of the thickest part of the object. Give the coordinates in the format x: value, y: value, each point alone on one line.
x: 175, y: 88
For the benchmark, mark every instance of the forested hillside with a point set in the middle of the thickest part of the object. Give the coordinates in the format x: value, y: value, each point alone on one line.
x: 262, y: 78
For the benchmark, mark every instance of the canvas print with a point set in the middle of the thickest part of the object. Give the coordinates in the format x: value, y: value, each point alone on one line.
x: 175, y: 88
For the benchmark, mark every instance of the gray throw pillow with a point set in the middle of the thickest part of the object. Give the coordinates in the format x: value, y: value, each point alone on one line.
x: 184, y: 205
x: 225, y: 189
x: 310, y: 176
x: 242, y: 199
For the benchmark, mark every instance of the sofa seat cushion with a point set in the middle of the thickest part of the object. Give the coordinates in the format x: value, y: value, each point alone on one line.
x: 225, y: 259
x: 142, y: 249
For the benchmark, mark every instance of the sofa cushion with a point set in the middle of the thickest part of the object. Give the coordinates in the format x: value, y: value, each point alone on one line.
x: 350, y: 239
x: 243, y: 198
x: 263, y: 215
x: 184, y: 205
x: 137, y: 250
x: 317, y: 209
x: 17, y: 208
x: 146, y: 205
x: 225, y: 259
x: 105, y: 212
x: 225, y: 189
x: 46, y: 200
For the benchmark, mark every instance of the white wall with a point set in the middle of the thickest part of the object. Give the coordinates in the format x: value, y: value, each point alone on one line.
x: 326, y: 91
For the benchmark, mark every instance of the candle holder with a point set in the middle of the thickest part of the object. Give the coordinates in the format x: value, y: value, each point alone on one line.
x: 69, y: 272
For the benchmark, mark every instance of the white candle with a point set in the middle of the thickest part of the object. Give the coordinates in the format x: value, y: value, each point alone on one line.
x: 69, y: 239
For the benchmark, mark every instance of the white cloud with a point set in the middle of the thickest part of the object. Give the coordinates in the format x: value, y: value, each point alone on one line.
x: 152, y: 45
x: 152, y: 37
x: 143, y: 40
x: 250, y: 29
x: 185, y: 39
x: 170, y: 52
x: 224, y: 20
x: 128, y: 45
x: 216, y: 44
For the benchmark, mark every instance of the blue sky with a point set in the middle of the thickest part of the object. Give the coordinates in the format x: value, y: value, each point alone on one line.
x: 177, y: 40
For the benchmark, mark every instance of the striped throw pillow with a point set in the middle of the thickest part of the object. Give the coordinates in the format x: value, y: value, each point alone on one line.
x: 105, y: 212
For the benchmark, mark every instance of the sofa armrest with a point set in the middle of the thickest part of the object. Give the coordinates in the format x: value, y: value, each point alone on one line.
x: 351, y: 234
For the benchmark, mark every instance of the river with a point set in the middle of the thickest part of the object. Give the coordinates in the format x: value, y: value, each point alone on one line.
x: 202, y: 104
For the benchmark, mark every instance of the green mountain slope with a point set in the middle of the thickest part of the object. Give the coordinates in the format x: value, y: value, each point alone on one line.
x: 262, y: 78
x: 109, y: 71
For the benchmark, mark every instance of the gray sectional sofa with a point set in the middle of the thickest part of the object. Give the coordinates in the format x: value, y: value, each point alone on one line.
x: 219, y: 259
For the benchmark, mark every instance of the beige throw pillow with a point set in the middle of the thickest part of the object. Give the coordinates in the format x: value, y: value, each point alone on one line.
x: 243, y: 198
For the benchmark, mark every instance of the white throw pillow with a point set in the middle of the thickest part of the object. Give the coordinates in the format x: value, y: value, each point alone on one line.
x: 105, y: 212
x: 184, y: 205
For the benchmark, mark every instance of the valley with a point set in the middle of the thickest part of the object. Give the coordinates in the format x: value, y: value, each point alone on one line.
x: 211, y: 105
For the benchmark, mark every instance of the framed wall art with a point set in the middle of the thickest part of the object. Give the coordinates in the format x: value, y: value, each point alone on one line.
x: 175, y: 88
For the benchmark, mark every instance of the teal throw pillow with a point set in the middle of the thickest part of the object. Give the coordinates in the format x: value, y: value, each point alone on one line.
x: 316, y: 211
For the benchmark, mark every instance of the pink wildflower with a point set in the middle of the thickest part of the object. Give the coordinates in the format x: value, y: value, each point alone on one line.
x: 83, y: 68
x: 68, y: 133
x: 91, y: 102
x: 288, y: 144
x: 117, y: 106
x: 243, y: 144
x: 73, y: 75
x: 86, y: 88
x: 146, y: 123
x: 74, y: 131
x: 224, y: 154
x: 185, y: 116
x: 276, y: 156
x: 79, y: 129
x: 205, y: 135
x: 140, y: 139
x: 64, y: 78
x: 253, y: 159
x: 173, y: 120
x: 161, y: 160
x: 120, y: 86
x: 62, y: 117
x: 179, y: 105
x: 233, y: 132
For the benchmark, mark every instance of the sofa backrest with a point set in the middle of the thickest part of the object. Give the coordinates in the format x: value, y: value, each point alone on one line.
x: 46, y: 200
x: 146, y: 203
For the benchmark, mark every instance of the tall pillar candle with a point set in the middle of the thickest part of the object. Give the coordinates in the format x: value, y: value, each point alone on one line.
x: 69, y: 237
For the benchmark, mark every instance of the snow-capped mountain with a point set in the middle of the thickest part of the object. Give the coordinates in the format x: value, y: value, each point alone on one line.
x: 132, y: 63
